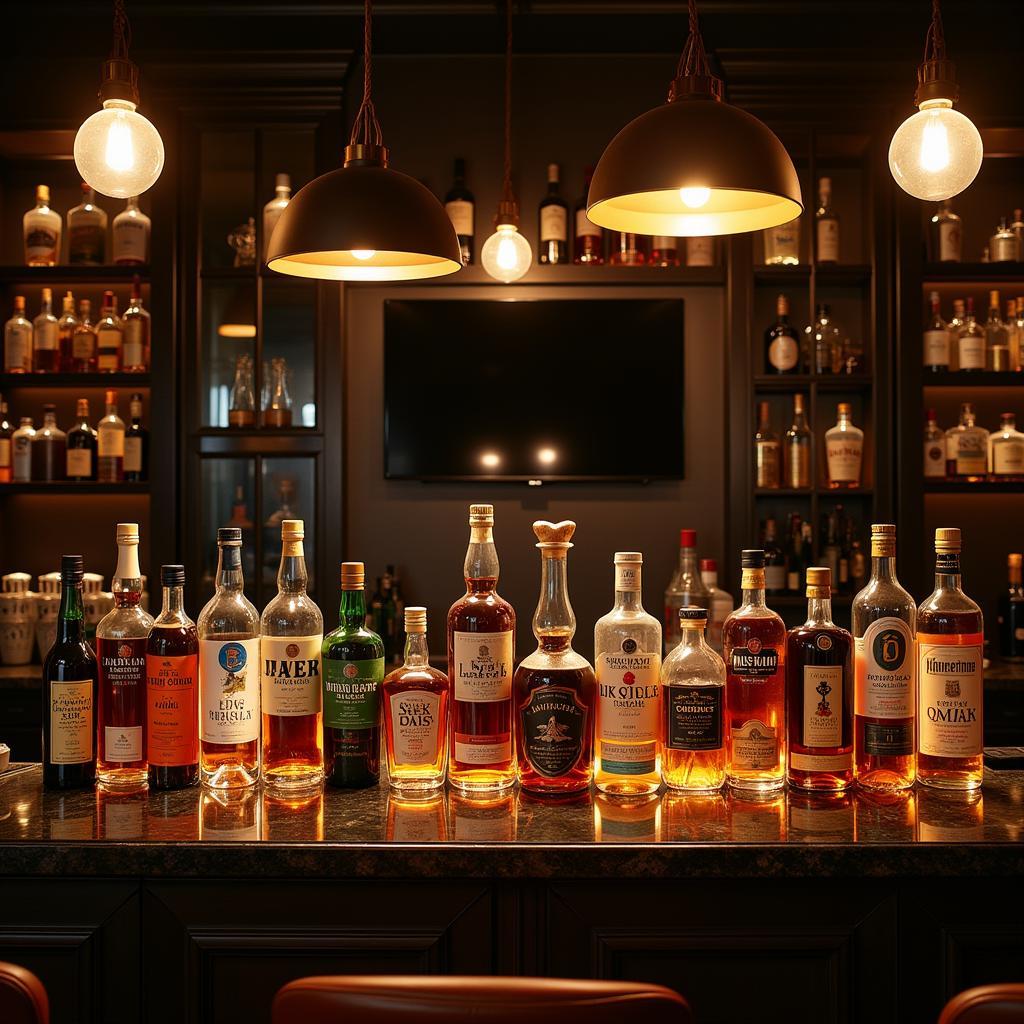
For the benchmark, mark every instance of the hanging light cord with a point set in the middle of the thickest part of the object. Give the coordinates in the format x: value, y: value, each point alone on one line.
x: 122, y: 32
x: 694, y: 61
x: 366, y: 128
x: 935, y: 41
x: 507, y: 194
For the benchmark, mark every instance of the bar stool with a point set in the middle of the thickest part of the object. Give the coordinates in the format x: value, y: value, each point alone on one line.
x: 986, y: 1004
x: 486, y: 1000
x: 22, y: 996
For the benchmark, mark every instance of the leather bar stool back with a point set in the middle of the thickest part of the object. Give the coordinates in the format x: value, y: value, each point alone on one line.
x: 482, y: 1000
x: 22, y: 997
x: 987, y: 1004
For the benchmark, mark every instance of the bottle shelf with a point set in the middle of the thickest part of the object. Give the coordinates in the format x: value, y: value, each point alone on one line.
x: 973, y: 379
x: 806, y: 492
x: 793, y: 382
x: 972, y: 273
x: 20, y: 381
x: 981, y: 487
x: 824, y: 274
x: 71, y: 487
x: 72, y: 275
x: 571, y: 273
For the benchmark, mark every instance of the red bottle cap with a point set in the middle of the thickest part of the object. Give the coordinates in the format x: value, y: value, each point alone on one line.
x: 708, y: 565
x: 687, y: 538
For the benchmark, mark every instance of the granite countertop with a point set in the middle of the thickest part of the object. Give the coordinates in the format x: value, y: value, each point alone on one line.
x: 371, y: 833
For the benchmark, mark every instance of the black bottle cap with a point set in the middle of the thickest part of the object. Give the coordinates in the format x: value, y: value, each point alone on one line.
x: 692, y: 614
x: 752, y: 558
x: 72, y: 568
x: 229, y: 535
x: 172, y: 575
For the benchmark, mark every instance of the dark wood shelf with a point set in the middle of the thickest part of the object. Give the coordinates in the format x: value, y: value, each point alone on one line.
x: 843, y: 273
x: 824, y: 274
x: 783, y: 492
x: 973, y: 379
x: 72, y: 275
x: 972, y: 272
x: 572, y: 274
x: 982, y: 487
x: 792, y: 274
x: 798, y: 382
x: 70, y: 487
x: 846, y: 492
x: 20, y: 381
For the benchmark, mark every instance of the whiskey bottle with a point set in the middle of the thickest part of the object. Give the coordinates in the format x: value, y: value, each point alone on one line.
x: 686, y: 588
x: 172, y: 689
x: 664, y: 251
x: 966, y: 448
x: 754, y: 640
x: 416, y: 699
x: 997, y: 338
x: 66, y: 327
x: 229, y: 675
x: 700, y: 251
x: 781, y: 349
x: 121, y: 637
x: 277, y: 410
x: 1011, y: 612
x: 798, y: 448
x: 275, y: 207
x: 110, y: 435
x: 935, y: 346
x: 87, y: 231
x: 1006, y: 451
x: 131, y: 235
x: 693, y: 710
x: 722, y: 603
x: 884, y: 617
x: 767, y: 450
x: 135, y: 333
x: 946, y: 235
x: 291, y: 638
x: 136, y: 444
x: 83, y: 341
x: 819, y: 681
x: 21, y: 451
x: 353, y: 668
x: 934, y: 449
x: 70, y: 691
x: 844, y: 450
x: 826, y: 224
x: 950, y: 695
x: 460, y: 205
x: 481, y: 632
x: 825, y: 342
x: 782, y: 244
x: 553, y: 223
x: 49, y: 449
x: 109, y: 336
x: 18, y: 340
x: 6, y: 444
x: 588, y: 237
x: 627, y: 659
x: 41, y: 226
x: 971, y: 341
x: 775, y: 575
x: 46, y: 337
x: 956, y: 326
x: 628, y: 249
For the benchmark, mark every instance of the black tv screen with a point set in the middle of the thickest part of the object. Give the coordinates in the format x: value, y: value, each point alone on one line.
x: 548, y: 389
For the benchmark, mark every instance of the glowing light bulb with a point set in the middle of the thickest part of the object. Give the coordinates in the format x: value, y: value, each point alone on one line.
x: 547, y: 456
x: 118, y: 151
x: 364, y: 254
x: 490, y: 459
x: 695, y: 197
x: 506, y: 255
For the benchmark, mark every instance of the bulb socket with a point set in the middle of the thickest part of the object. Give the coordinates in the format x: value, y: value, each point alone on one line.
x: 119, y: 80
x: 366, y: 154
x: 696, y: 87
x: 508, y: 212
x: 936, y: 80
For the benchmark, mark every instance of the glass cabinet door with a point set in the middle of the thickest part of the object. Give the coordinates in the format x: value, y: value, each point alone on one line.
x: 228, y: 498
x: 289, y: 492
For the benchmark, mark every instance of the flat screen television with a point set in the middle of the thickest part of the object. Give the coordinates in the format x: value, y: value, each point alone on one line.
x: 547, y: 389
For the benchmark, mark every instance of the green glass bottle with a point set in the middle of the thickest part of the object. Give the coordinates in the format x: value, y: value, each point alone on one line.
x: 353, y: 669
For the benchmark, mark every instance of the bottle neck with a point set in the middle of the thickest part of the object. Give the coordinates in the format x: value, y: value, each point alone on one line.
x: 947, y: 572
x: 691, y: 637
x: 173, y: 603
x: 416, y: 653
x: 127, y: 585
x: 71, y: 618
x: 554, y: 618
x: 629, y: 601
x: 883, y: 568
x: 752, y: 586
x: 481, y: 566
x: 292, y: 576
x: 819, y: 611
x: 229, y: 568
x: 688, y: 560
x: 353, y: 608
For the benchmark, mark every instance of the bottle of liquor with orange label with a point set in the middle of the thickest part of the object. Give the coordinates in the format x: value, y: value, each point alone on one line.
x: 950, y: 694
x: 819, y: 678
x: 754, y: 641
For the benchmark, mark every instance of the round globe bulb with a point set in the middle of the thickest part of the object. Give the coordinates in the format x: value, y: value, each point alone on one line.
x: 118, y: 151
x: 936, y: 153
x: 506, y: 255
x: 695, y: 197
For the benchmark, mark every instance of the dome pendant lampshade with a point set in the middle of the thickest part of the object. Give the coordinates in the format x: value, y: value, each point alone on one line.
x: 366, y: 221
x: 695, y: 166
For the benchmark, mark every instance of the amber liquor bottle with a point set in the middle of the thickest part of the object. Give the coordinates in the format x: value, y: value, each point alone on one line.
x: 884, y: 617
x: 819, y: 681
x: 950, y: 694
x: 754, y: 642
x: 481, y: 647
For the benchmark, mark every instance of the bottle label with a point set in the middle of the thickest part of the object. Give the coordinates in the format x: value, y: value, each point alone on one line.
x: 108, y: 345
x: 130, y: 237
x: 229, y: 690
x: 700, y: 252
x: 290, y: 683
x: 950, y: 695
x: 18, y: 349
x: 628, y: 710
x: 823, y: 706
x: 5, y: 453
x: 783, y: 352
x: 553, y: 723
x: 86, y: 243
x: 585, y: 226
x: 775, y: 577
x: 110, y: 442
x: 133, y: 454
x: 971, y: 452
x: 122, y: 743
x: 46, y: 337
x: 71, y: 721
x: 83, y: 345
x: 122, y: 664
x: 884, y: 671
x: 172, y: 699
x: 889, y: 739
x: 554, y: 223
x: 694, y: 717
x: 844, y: 459
x: 1008, y: 457
x: 798, y: 470
x: 133, y: 353
x: 769, y: 464
x: 754, y: 662
x: 416, y: 726
x: 934, y: 458
x: 783, y: 242
x: 755, y: 747
x: 936, y: 348
x: 821, y: 762
x: 352, y: 693
x: 627, y: 577
x: 972, y: 352
x: 460, y: 213
x: 41, y: 243
x: 828, y: 240
x: 483, y: 666
x: 949, y: 241
x: 483, y: 749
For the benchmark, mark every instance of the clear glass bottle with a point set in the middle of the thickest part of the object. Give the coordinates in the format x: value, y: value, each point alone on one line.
x: 957, y: 322
x: 83, y: 341
x: 553, y: 223
x: 109, y: 336
x: 66, y: 327
x: 826, y: 223
x: 722, y: 603
x: 460, y: 205
x: 664, y: 251
x: 627, y: 662
x: 46, y: 337
x: 997, y: 338
x: 131, y: 235
x: 797, y: 448
x: 49, y: 449
x: 946, y: 235
x: 242, y: 404
x: 291, y: 638
x: 42, y: 230
x: 272, y: 211
x: 87, y: 231
x: 782, y: 244
x: 135, y: 330
x: 935, y: 345
x: 700, y: 251
x: 844, y: 451
x: 6, y: 454
x: 21, y: 451
x: 934, y: 448
x: 278, y: 412
x: 966, y: 448
x: 685, y: 588
x: 971, y: 341
x: 18, y: 340
x: 588, y: 241
x: 121, y: 637
x: 781, y: 348
x: 1006, y: 451
x: 229, y: 675
x: 110, y: 434
x: 767, y: 450
x: 825, y: 342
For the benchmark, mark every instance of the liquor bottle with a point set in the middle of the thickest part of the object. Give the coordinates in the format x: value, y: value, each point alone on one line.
x: 819, y: 683
x: 49, y: 449
x: 83, y: 341
x: 172, y: 689
x: 627, y: 660
x: 997, y: 339
x: 1017, y: 338
x: 46, y: 337
x: 291, y: 639
x: 109, y: 336
x: 460, y: 205
x: 950, y: 692
x: 721, y: 605
x: 135, y: 333
x: 277, y: 411
x: 70, y: 691
x: 110, y: 434
x: 131, y: 235
x: 6, y: 445
x: 66, y: 327
x: 229, y: 676
x: 1017, y: 227
x: 844, y: 451
x: 664, y: 251
x: 754, y: 642
x: 415, y: 699
x: 18, y: 340
x: 136, y: 444
x: 825, y: 342
x: 782, y: 351
x: 936, y: 340
x: 957, y: 322
x: 353, y: 670
x: 553, y: 217
x: 700, y: 251
x: 41, y: 227
x: 588, y: 237
x: 971, y: 341
x: 693, y: 710
x: 21, y: 451
x: 884, y: 617
x: 826, y: 224
x: 627, y: 249
x: 87, y: 231
x: 782, y: 244
x: 774, y: 559
x: 121, y: 637
x: 275, y: 207
x: 481, y: 632
x: 798, y: 448
x: 946, y: 235
x: 242, y: 403
x: 1002, y: 246
x: 1006, y: 451
x: 966, y: 448
x: 1011, y: 612
x: 767, y: 450
x: 686, y: 588
x: 1010, y: 361
x: 80, y: 455
x: 934, y: 449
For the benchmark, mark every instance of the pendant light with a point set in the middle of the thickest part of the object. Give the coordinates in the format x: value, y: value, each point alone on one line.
x: 365, y: 221
x: 117, y: 150
x: 696, y: 165
x: 936, y: 153
x: 507, y: 255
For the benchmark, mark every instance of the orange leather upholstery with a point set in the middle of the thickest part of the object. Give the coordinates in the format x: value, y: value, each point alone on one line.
x: 483, y: 1000
x: 22, y: 997
x: 987, y: 1004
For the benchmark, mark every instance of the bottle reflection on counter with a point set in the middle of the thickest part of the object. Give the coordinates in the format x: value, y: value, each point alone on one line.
x: 293, y: 817
x: 693, y: 817
x: 821, y: 817
x: 886, y: 815
x: 627, y: 819
x: 482, y: 818
x: 416, y: 818
x: 231, y: 815
x: 121, y: 813
x: 950, y: 816
x: 756, y: 817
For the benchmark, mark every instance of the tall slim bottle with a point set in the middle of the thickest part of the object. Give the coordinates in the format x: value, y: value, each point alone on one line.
x: 292, y: 635
x: 46, y: 337
x: 627, y: 658
x: 229, y: 675
x: 884, y: 620
x: 121, y: 637
x: 685, y: 589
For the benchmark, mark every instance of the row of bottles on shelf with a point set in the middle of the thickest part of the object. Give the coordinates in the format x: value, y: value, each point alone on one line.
x: 87, y: 235
x: 73, y: 343
x: 782, y: 243
x: 842, y: 552
x: 109, y: 453
x: 275, y: 397
x: 945, y: 238
x: 823, y: 347
x: 961, y: 343
x: 785, y: 461
x: 969, y: 453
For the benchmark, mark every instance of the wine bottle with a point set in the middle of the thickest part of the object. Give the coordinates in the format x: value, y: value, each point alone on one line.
x: 553, y: 215
x: 460, y: 206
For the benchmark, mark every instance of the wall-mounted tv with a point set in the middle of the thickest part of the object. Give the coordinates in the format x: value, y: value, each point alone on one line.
x: 546, y: 389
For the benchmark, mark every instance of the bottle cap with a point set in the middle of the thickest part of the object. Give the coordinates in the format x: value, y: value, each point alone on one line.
x: 229, y: 535
x: 708, y: 565
x: 782, y: 306
x: 752, y: 558
x: 930, y: 415
x: 947, y: 540
x: 819, y: 581
x: 19, y: 302
x: 283, y: 181
x: 993, y: 297
x: 353, y: 575
x: 628, y: 556
x: 824, y: 184
x: 50, y: 407
x: 43, y: 193
x: 172, y: 575
x: 72, y: 568
x: 415, y: 620
x: 481, y: 515
x: 798, y: 403
x: 687, y: 538
x: 843, y: 408
x: 552, y: 172
x: 689, y: 613
x: 883, y: 529
x: 111, y: 397
x: 127, y: 533
x: 47, y: 295
x: 292, y: 529
x: 1014, y: 560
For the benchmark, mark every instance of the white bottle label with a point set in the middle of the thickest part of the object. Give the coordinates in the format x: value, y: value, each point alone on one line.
x: 971, y: 451
x: 46, y: 336
x: 229, y: 690
x: 628, y: 710
x: 828, y: 240
x: 79, y: 462
x: 935, y: 458
x: 483, y: 666
x: 884, y: 670
x: 123, y: 743
x: 950, y: 699
x: 949, y: 241
x: 460, y: 213
x: 133, y: 454
x: 130, y: 240
x: 18, y: 349
x: 700, y: 252
x: 585, y: 226
x: 21, y: 458
x: 1008, y: 458
x: 497, y: 750
x: 844, y: 458
x: 554, y: 223
x: 416, y: 726
x: 290, y: 683
x: 110, y: 442
x: 972, y: 352
x: 936, y: 348
x: 108, y: 355
x: 627, y: 577
x: 134, y: 349
x: 823, y: 706
x: 783, y: 352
